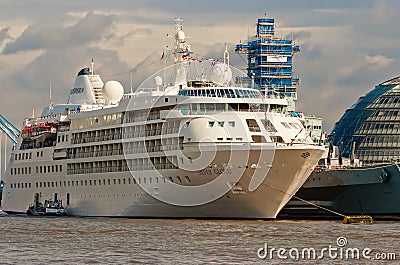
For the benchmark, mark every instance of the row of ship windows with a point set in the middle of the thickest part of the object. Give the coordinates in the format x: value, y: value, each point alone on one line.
x: 228, y: 139
x: 145, y: 130
x: 211, y: 108
x: 62, y: 138
x: 100, y: 182
x: 138, y: 164
x: 145, y: 115
x: 152, y: 114
x: 152, y: 129
x: 202, y: 108
x: 39, y: 170
x: 221, y: 123
x: 291, y: 125
x: 26, y: 156
x: 97, y: 135
x: 102, y: 120
x: 222, y: 93
x: 136, y: 147
x: 314, y: 127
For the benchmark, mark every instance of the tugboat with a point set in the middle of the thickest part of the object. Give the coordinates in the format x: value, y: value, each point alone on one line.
x: 48, y: 208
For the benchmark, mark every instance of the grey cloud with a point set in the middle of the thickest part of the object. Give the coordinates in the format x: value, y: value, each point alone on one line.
x: 4, y: 35
x: 120, y: 39
x: 302, y: 35
x: 310, y: 51
x: 66, y: 51
x: 93, y: 27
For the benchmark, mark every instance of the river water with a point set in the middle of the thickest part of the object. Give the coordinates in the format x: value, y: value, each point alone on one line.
x: 70, y: 240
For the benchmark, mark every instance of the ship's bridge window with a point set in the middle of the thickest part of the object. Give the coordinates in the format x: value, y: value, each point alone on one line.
x: 285, y: 125
x: 294, y: 125
x: 277, y: 108
x: 195, y: 108
x: 221, y: 92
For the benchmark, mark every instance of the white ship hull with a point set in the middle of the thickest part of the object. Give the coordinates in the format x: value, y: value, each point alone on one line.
x: 283, y: 178
x: 195, y: 140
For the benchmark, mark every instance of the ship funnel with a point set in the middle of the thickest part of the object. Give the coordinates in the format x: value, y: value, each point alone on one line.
x: 87, y: 88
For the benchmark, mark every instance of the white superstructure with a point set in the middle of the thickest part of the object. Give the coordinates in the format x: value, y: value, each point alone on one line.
x: 194, y: 140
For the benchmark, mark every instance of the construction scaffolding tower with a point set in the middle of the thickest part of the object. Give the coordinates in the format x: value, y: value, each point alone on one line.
x: 270, y: 61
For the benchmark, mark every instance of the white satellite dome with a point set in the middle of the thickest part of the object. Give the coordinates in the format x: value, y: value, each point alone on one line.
x: 158, y: 80
x: 221, y: 73
x: 112, y: 92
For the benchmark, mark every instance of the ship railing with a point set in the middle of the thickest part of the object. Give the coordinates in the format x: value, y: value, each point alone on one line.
x: 170, y: 130
x: 112, y: 137
x: 135, y: 150
x: 98, y: 153
x: 120, y: 168
x: 153, y: 132
x: 97, y: 170
x: 135, y: 134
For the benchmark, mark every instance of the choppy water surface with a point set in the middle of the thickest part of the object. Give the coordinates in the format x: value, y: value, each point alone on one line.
x: 27, y: 240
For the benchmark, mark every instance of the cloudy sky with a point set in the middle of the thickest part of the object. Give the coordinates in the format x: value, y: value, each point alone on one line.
x: 347, y: 47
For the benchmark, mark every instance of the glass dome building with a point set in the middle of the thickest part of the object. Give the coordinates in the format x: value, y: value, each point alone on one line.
x: 371, y: 126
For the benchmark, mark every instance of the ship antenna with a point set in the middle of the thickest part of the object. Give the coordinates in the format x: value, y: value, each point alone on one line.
x: 5, y: 154
x: 226, y: 56
x: 50, y: 87
x: 179, y: 46
x: 92, y: 67
x: 131, y: 83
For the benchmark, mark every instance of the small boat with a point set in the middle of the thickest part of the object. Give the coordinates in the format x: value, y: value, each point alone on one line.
x: 2, y: 213
x: 38, y: 132
x: 48, y: 208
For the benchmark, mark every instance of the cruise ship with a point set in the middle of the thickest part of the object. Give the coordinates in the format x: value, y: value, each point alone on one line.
x: 195, y: 140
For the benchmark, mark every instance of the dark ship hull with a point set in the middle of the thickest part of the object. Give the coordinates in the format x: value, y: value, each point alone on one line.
x: 373, y: 191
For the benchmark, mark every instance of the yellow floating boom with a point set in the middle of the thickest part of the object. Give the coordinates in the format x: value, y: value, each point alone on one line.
x: 357, y: 219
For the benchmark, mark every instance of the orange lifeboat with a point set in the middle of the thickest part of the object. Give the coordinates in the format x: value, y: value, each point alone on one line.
x: 38, y: 132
